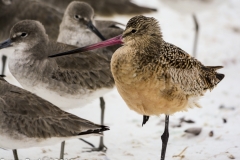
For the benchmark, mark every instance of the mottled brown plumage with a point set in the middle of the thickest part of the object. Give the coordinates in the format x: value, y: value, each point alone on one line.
x: 155, y: 77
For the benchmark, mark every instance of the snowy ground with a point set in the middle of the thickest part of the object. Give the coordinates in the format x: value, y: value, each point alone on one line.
x: 219, y: 44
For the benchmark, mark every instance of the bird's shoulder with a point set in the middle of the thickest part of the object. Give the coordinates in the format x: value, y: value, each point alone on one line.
x: 92, y: 68
x: 174, y: 56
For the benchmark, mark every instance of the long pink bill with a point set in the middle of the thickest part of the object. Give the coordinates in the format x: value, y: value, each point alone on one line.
x: 110, y: 42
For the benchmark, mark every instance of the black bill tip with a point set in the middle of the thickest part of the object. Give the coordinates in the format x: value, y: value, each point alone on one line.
x: 6, y: 43
x: 95, y: 30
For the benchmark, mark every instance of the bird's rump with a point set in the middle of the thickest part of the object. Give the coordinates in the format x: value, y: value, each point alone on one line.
x: 188, y: 73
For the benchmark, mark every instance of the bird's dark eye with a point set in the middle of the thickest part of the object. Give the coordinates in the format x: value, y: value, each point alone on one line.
x: 134, y: 31
x: 76, y: 16
x: 24, y: 34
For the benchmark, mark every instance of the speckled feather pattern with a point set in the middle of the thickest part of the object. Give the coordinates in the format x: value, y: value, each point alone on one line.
x: 155, y: 77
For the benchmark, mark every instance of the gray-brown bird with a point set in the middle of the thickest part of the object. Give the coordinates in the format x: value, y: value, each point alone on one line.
x: 155, y: 77
x: 79, y: 28
x: 67, y: 82
x: 105, y: 7
x: 27, y: 120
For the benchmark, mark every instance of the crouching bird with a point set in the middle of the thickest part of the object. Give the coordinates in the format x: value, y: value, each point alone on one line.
x: 155, y: 77
x: 27, y: 120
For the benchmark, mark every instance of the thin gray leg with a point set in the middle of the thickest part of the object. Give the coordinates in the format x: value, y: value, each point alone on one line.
x: 62, y: 150
x: 101, y: 146
x: 196, y: 35
x: 4, y: 59
x: 164, y: 138
x: 15, y: 154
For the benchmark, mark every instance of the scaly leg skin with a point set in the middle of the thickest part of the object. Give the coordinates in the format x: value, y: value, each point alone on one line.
x: 164, y: 138
x: 145, y: 119
x: 15, y: 154
x: 101, y: 147
x: 196, y: 36
x: 62, y: 150
x: 4, y: 59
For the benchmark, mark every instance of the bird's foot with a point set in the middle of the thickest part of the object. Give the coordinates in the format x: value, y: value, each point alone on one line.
x: 102, y: 148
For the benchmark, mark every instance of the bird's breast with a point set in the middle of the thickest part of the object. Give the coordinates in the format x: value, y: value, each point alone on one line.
x: 77, y: 38
x: 145, y: 89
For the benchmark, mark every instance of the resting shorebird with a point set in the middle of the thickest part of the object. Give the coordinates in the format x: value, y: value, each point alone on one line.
x: 155, y: 77
x: 105, y: 7
x: 193, y: 7
x: 27, y: 120
x: 78, y: 29
x: 67, y: 82
x: 17, y: 10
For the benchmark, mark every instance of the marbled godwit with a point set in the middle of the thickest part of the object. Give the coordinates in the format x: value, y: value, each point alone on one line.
x: 64, y: 81
x: 155, y: 77
x: 27, y: 120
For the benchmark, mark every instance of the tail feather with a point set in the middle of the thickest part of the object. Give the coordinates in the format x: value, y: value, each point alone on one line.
x: 214, y: 67
x: 211, y: 77
x: 95, y: 131
x: 220, y: 76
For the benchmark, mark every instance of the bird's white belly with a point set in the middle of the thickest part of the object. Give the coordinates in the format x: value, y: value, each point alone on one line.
x: 67, y: 101
x: 80, y: 38
x: 19, y: 141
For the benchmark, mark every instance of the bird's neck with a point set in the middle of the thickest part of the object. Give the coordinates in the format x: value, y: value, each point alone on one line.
x: 145, y: 44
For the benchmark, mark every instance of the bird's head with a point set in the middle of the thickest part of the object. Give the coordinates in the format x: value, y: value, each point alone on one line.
x: 141, y: 29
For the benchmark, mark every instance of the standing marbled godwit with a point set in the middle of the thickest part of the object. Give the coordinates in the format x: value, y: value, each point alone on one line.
x: 27, y: 120
x: 105, y: 7
x: 155, y: 77
x: 193, y: 7
x: 78, y: 29
x: 64, y: 82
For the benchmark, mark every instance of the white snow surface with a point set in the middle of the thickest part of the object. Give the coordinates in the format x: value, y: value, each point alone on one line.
x: 219, y: 44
